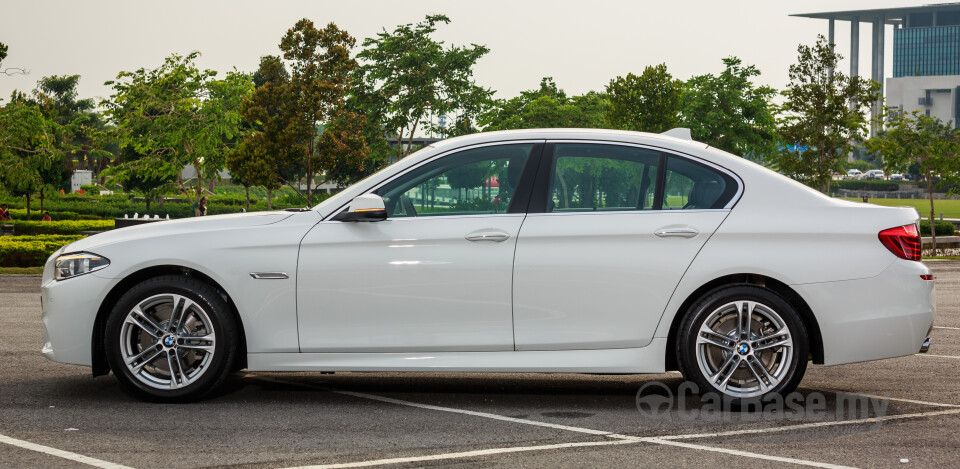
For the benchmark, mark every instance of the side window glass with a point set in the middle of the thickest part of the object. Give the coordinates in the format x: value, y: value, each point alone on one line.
x: 693, y: 186
x: 592, y: 177
x: 471, y: 182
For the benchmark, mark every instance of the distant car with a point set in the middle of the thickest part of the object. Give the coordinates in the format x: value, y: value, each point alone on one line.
x: 874, y: 174
x: 553, y: 251
x: 854, y: 174
x: 896, y: 177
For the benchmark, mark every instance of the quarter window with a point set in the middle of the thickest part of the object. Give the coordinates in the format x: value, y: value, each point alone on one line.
x: 471, y: 182
x: 693, y: 186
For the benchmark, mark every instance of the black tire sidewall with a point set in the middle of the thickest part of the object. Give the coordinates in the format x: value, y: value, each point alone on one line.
x: 687, y: 334
x: 222, y: 323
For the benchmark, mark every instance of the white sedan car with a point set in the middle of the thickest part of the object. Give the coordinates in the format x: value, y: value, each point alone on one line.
x: 564, y: 250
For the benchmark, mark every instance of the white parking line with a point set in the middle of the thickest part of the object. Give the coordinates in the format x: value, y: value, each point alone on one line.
x: 945, y: 327
x: 467, y: 454
x: 734, y: 452
x: 61, y: 453
x: 888, y: 398
x: 937, y: 356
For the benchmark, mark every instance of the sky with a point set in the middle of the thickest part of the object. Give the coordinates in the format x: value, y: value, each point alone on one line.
x: 581, y: 44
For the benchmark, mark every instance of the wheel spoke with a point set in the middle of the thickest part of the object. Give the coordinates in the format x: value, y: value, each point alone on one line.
x: 136, y: 369
x: 730, y: 367
x: 780, y: 338
x: 744, y: 316
x: 173, y: 371
x: 179, y: 312
x: 205, y: 343
x: 140, y: 319
x: 726, y: 344
x: 764, y: 379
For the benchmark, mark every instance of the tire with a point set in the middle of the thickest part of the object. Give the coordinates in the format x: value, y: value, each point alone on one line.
x: 770, y: 358
x: 142, y: 345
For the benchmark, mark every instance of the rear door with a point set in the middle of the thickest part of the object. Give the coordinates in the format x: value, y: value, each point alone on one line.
x: 611, y: 230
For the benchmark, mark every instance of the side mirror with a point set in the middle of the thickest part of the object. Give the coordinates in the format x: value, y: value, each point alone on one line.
x: 366, y: 207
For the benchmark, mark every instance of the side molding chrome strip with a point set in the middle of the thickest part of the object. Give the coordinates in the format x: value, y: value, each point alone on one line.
x: 269, y: 275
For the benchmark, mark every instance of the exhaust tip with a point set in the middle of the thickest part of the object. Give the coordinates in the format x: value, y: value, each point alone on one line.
x: 925, y: 346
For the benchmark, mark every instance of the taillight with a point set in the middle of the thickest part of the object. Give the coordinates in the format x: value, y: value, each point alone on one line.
x: 902, y: 241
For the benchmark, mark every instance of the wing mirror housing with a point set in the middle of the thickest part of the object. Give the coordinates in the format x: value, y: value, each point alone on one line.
x: 366, y: 207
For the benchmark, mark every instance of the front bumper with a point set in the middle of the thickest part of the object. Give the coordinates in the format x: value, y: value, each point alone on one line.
x: 69, y: 311
x: 886, y: 316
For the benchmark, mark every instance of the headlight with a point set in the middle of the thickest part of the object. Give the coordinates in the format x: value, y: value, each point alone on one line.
x: 78, y: 263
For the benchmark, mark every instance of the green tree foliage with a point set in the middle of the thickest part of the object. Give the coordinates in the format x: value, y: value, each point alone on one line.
x: 648, y: 103
x: 729, y: 112
x: 407, y: 76
x: 320, y: 79
x: 825, y: 110
x: 27, y: 149
x: 917, y: 139
x: 176, y: 115
x: 267, y: 146
x: 547, y: 107
x: 342, y: 150
x: 136, y: 177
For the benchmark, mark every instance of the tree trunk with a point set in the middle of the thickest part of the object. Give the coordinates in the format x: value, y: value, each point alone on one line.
x: 41, y: 200
x: 147, y: 199
x: 410, y: 140
x: 933, y: 230
x: 269, y: 199
x: 247, y: 190
x: 196, y: 166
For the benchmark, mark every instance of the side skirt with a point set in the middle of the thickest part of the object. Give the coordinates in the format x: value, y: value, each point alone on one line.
x: 649, y: 359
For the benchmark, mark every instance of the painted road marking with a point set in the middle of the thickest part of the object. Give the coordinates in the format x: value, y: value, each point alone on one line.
x: 734, y: 452
x: 937, y: 356
x: 61, y: 453
x: 945, y: 327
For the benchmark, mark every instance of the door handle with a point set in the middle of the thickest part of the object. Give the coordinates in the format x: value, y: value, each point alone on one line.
x: 495, y: 236
x: 685, y: 232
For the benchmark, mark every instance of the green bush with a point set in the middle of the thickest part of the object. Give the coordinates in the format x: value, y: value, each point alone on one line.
x: 866, y: 185
x: 30, y: 251
x: 944, y: 228
x: 66, y: 227
x: 21, y: 214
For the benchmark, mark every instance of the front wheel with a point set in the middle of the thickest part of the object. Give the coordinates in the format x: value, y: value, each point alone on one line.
x: 743, y: 341
x: 170, y: 339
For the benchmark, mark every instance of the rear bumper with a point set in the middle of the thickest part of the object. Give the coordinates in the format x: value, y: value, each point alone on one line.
x: 886, y: 316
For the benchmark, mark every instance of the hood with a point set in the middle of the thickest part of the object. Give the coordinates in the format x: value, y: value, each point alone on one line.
x: 180, y: 226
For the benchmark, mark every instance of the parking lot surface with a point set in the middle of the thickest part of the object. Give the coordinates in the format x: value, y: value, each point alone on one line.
x: 892, y: 413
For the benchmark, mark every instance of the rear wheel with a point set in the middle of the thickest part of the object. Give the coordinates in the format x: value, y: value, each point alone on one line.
x: 170, y: 338
x: 743, y: 341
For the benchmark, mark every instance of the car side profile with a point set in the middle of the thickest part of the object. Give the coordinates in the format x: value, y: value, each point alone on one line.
x: 557, y: 250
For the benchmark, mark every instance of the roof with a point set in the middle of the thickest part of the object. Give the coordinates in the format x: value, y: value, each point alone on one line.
x: 892, y: 15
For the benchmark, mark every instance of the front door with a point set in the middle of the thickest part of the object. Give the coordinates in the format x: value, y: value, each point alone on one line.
x: 436, y: 275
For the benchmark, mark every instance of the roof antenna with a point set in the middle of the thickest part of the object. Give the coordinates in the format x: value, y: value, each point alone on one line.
x: 682, y: 133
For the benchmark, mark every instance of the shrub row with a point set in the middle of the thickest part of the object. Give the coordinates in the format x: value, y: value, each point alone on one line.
x: 21, y: 214
x: 867, y: 185
x: 30, y: 251
x: 944, y: 228
x: 65, y: 227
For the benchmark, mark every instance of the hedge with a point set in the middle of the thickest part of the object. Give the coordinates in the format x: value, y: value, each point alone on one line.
x: 944, y: 228
x: 65, y: 227
x: 21, y: 214
x: 31, y: 251
x: 866, y: 185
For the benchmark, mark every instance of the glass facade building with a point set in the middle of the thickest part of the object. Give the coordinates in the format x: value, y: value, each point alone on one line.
x: 926, y: 51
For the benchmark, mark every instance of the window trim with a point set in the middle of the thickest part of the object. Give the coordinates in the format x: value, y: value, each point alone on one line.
x: 523, y: 192
x: 538, y: 200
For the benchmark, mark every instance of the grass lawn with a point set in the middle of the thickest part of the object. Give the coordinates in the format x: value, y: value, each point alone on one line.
x: 21, y: 270
x: 950, y: 208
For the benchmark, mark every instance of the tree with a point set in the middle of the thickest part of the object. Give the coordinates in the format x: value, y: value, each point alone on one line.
x: 825, y: 111
x: 342, y: 150
x: 320, y: 76
x: 27, y: 149
x: 917, y: 139
x: 266, y: 146
x: 135, y: 175
x: 407, y: 76
x: 648, y: 103
x: 546, y: 107
x: 177, y: 115
x: 729, y: 112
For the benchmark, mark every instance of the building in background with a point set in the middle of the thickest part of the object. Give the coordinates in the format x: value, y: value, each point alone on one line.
x: 926, y: 55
